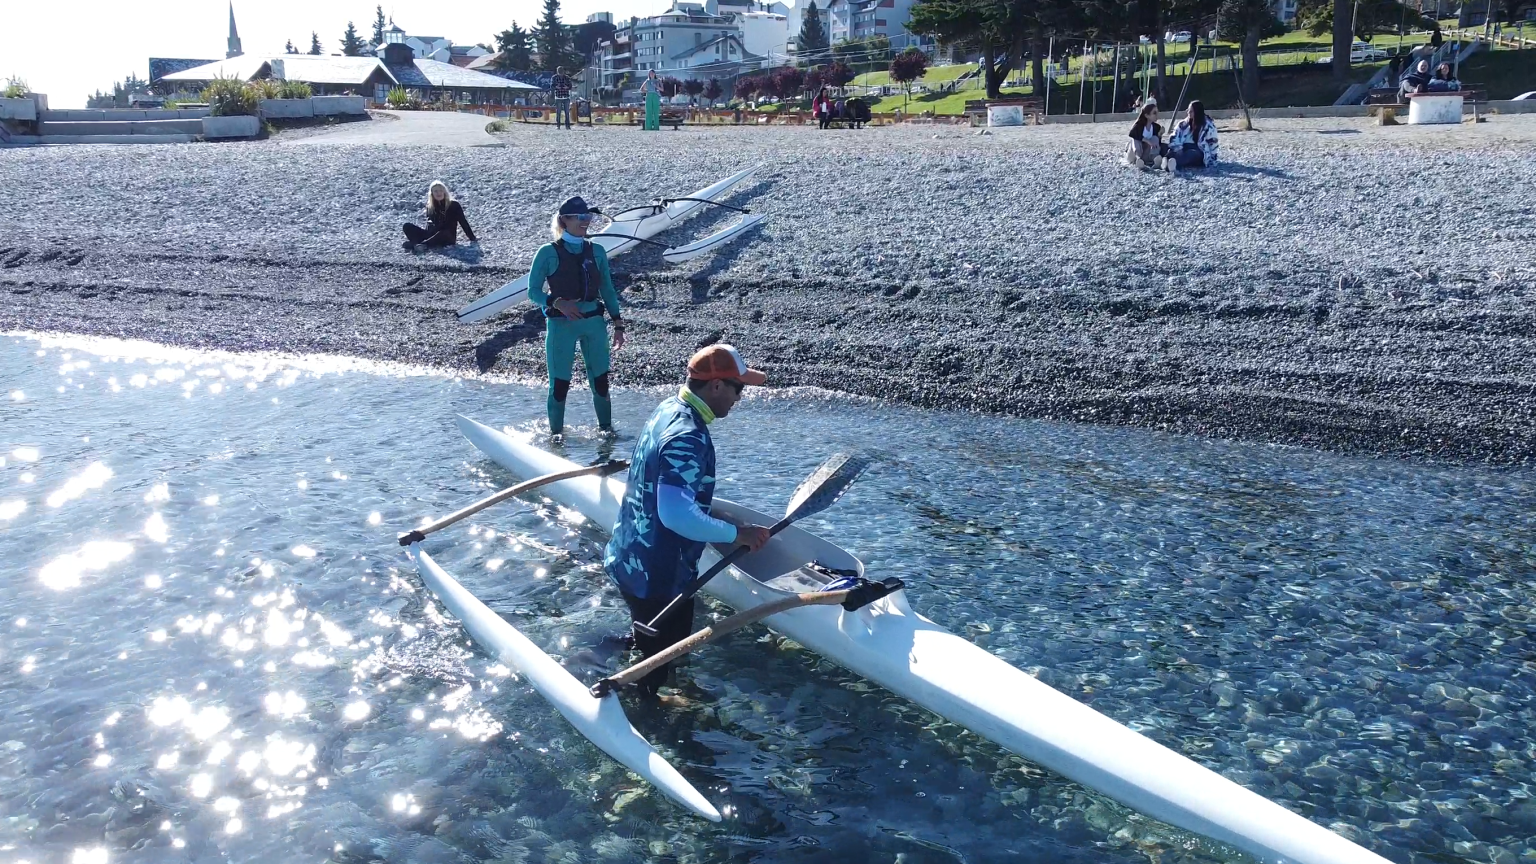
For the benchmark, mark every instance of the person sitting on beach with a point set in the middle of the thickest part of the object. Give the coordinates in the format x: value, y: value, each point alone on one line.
x: 1146, y: 148
x: 1194, y: 143
x: 821, y: 107
x: 1416, y: 80
x: 1443, y: 80
x: 444, y: 216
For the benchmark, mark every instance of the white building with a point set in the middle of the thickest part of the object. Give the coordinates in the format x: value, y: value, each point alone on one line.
x: 690, y: 41
x: 439, y: 48
x: 765, y: 34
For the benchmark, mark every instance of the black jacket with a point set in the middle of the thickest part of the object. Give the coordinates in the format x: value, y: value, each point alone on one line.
x: 445, y: 223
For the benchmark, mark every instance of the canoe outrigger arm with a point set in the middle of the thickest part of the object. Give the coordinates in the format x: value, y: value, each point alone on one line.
x: 852, y: 598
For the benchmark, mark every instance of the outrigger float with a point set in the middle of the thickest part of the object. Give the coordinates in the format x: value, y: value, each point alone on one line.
x: 631, y: 228
x: 804, y: 586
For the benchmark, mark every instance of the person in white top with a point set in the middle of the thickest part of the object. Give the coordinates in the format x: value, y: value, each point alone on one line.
x: 1146, y: 148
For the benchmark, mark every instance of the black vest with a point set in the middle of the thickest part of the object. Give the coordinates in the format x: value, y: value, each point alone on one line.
x: 576, y: 278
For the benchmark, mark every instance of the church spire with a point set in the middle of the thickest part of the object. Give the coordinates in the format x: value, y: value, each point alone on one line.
x: 234, y: 35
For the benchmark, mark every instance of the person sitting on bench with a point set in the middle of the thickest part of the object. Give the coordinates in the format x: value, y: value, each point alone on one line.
x: 1443, y: 81
x: 1416, y: 80
x: 1146, y: 148
x: 1194, y: 143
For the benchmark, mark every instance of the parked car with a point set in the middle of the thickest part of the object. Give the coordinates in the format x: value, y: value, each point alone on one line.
x: 1360, y: 52
x: 1182, y: 37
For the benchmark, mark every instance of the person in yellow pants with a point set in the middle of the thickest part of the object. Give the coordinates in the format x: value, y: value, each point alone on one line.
x: 651, y: 87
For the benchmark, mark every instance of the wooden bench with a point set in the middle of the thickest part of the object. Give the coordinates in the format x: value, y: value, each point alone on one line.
x: 976, y: 109
x: 673, y: 117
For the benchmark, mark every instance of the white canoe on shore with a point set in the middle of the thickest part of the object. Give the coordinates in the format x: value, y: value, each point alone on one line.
x: 640, y: 222
x: 890, y: 644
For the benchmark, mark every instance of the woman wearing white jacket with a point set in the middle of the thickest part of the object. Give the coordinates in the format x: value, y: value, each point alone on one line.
x: 1194, y: 143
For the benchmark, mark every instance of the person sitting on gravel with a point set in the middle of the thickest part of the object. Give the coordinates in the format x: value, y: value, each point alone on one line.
x: 1415, y: 80
x: 1194, y: 143
x: 570, y: 280
x: 1443, y: 81
x: 444, y: 216
x: 1146, y: 148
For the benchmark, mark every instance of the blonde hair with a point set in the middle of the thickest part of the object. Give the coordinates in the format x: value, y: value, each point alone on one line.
x: 556, y: 228
x: 447, y: 196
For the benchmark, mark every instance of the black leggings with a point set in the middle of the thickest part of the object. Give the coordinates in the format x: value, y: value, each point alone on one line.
x: 677, y: 627
x: 418, y: 235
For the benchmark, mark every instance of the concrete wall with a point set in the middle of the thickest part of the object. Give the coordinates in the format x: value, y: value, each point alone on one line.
x: 18, y: 109
x: 231, y: 127
x: 117, y: 115
x: 326, y: 106
x: 288, y: 108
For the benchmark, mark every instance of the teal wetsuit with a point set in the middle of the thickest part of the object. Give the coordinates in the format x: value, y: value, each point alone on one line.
x: 591, y: 285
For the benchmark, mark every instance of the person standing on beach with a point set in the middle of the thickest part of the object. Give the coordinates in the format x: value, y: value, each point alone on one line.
x: 560, y: 88
x: 664, y: 520
x: 651, y: 87
x: 579, y: 290
x: 444, y: 218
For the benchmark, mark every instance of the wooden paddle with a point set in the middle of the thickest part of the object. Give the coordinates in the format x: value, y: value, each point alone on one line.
x: 612, y: 466
x: 858, y: 596
x: 815, y: 494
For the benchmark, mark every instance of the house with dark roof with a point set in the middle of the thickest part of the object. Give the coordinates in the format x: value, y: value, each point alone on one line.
x: 432, y: 80
x: 159, y: 67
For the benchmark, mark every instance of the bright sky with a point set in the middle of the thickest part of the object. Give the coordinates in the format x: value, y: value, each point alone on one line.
x: 69, y: 50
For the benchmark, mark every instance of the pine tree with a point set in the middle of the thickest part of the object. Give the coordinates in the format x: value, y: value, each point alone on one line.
x: 289, y: 49
x: 813, y: 34
x: 314, y: 43
x: 378, y: 26
x: 516, y: 49
x: 552, y: 38
x: 351, y: 45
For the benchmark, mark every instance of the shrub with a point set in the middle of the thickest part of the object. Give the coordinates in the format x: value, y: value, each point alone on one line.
x: 398, y: 98
x: 15, y: 88
x: 229, y: 97
x: 265, y: 88
x: 295, y: 90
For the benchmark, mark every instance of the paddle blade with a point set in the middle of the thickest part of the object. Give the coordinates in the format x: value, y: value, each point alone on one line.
x: 825, y: 485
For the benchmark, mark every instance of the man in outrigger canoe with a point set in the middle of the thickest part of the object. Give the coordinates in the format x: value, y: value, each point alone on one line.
x: 579, y: 288
x: 664, y: 520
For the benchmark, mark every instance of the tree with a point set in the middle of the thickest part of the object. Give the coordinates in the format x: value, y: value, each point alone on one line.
x: 813, y: 34
x: 693, y: 87
x: 786, y: 82
x: 351, y: 45
x: 747, y: 86
x: 314, y: 43
x: 906, y: 67
x: 838, y: 74
x: 289, y: 49
x: 552, y: 38
x: 516, y: 50
x: 714, y: 91
x: 1370, y: 17
x: 670, y: 86
x: 1248, y: 22
x: 378, y: 26
x: 1342, y: 40
x: 816, y: 79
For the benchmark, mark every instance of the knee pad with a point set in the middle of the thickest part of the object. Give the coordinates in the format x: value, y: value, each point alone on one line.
x: 561, y: 388
x: 600, y: 385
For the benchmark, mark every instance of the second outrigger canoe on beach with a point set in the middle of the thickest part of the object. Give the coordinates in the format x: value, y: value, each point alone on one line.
x: 634, y: 227
x: 890, y: 644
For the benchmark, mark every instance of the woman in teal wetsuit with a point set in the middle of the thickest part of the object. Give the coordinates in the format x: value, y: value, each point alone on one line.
x: 571, y: 282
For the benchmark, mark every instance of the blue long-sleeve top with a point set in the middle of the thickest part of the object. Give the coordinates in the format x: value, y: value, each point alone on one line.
x: 546, y: 260
x: 681, y: 513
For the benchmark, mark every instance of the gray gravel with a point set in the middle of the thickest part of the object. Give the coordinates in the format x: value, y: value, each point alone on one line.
x: 1334, y: 284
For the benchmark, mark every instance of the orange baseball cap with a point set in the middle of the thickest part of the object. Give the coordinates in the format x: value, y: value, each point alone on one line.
x: 716, y: 362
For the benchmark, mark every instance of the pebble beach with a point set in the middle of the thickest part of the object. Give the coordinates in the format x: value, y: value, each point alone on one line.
x: 1332, y: 284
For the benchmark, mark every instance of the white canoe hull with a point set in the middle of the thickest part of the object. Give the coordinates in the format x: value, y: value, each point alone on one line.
x: 601, y: 720
x: 643, y: 227
x: 679, y: 254
x: 907, y: 654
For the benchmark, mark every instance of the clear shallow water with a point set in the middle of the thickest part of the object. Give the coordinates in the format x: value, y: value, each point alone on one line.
x: 212, y: 649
